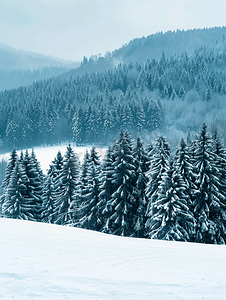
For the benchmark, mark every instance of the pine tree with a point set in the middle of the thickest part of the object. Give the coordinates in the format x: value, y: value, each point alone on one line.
x: 94, y: 157
x: 141, y: 167
x: 65, y: 185
x: 9, y: 168
x: 220, y: 153
x: 141, y: 124
x: 48, y: 198
x: 34, y: 185
x: 17, y: 204
x: 106, y: 189
x: 56, y: 167
x: 184, y: 166
x: 208, y: 198
x: 78, y: 127
x: 159, y: 162
x: 8, y: 172
x: 81, y: 186
x: 171, y: 219
x: 122, y: 201
x: 37, y: 165
x: 89, y: 207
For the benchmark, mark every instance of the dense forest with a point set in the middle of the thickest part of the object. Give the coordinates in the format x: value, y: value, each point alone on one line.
x: 172, y: 43
x: 168, y: 95
x: 137, y: 191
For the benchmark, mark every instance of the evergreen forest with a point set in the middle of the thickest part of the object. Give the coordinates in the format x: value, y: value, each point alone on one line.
x: 134, y: 190
x: 170, y: 96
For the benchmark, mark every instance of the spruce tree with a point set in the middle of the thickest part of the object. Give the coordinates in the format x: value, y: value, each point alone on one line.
x: 208, y: 199
x: 106, y: 189
x: 159, y: 162
x: 17, y: 204
x: 141, y: 167
x: 56, y: 166
x: 38, y: 185
x: 8, y: 172
x: 220, y: 153
x: 81, y: 186
x: 184, y: 167
x: 48, y: 198
x: 171, y: 219
x: 122, y: 201
x: 89, y: 209
x: 65, y: 185
x: 94, y: 157
x: 9, y: 168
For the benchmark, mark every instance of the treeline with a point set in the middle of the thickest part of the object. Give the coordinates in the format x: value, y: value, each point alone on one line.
x: 135, y: 191
x: 82, y: 107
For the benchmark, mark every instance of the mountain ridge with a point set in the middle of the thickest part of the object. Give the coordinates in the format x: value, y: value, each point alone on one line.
x: 151, y: 47
x: 11, y: 58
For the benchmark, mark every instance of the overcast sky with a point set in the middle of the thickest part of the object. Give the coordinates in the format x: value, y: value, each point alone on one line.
x: 71, y: 29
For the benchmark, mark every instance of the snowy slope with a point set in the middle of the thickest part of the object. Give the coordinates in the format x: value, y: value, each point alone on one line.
x: 45, y: 261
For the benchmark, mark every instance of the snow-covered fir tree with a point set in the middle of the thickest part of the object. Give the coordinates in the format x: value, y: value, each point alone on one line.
x: 81, y: 186
x: 141, y: 163
x: 8, y: 172
x: 158, y: 163
x: 56, y: 166
x: 9, y: 168
x: 47, y: 200
x: 34, y: 184
x: 65, y: 185
x: 220, y: 152
x: 94, y: 158
x: 106, y: 188
x: 122, y: 201
x: 184, y: 166
x: 38, y: 184
x: 17, y: 204
x: 171, y: 219
x: 88, y: 209
x: 208, y: 199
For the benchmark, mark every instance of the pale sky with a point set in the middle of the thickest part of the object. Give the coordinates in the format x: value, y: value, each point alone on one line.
x: 71, y: 29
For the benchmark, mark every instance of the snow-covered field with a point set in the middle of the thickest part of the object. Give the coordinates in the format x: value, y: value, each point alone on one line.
x: 45, y: 261
x: 45, y: 155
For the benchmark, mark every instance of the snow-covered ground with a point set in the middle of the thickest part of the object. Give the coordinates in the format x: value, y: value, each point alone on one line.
x: 45, y: 261
x: 45, y: 155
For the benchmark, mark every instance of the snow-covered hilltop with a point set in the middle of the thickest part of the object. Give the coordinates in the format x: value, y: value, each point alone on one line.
x: 46, y: 261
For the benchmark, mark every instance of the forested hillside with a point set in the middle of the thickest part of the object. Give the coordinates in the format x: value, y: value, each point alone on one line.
x: 171, y: 96
x: 152, y: 46
x: 134, y: 191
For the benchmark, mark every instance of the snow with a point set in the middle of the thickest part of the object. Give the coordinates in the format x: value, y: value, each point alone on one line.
x: 45, y: 261
x: 45, y: 155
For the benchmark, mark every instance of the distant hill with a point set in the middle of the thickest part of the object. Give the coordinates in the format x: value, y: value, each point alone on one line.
x: 21, y: 68
x: 171, y: 42
x: 11, y: 59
